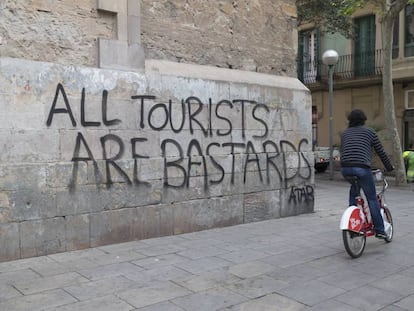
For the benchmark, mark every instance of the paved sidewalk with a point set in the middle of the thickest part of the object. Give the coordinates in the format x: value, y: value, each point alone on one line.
x: 294, y: 263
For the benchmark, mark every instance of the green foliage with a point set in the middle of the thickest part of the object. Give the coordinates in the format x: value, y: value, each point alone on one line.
x: 379, y: 129
x: 334, y: 15
x: 348, y: 7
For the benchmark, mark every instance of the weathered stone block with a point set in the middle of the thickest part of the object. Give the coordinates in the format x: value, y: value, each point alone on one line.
x: 20, y: 112
x: 77, y: 232
x: 297, y: 199
x: 62, y: 174
x: 114, y: 54
x: 80, y: 202
x: 115, y: 226
x: 186, y: 189
x: 34, y: 146
x: 156, y: 220
x: 92, y: 199
x: 207, y: 213
x: 258, y: 181
x: 32, y: 204
x: 140, y: 143
x: 9, y: 241
x: 261, y: 206
x: 42, y: 237
x: 91, y: 138
x: 5, y: 207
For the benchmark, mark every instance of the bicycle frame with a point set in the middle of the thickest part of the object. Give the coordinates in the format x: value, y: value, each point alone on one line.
x: 357, y: 218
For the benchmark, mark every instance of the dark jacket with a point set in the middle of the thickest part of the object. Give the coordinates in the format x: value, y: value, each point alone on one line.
x: 357, y: 144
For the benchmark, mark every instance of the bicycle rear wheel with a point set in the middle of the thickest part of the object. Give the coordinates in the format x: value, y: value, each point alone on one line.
x: 354, y: 243
x: 388, y: 225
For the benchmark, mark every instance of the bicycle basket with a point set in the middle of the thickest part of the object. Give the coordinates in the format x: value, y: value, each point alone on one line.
x: 378, y: 175
x: 379, y: 179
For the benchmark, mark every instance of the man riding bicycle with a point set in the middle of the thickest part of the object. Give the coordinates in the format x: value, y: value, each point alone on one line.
x: 357, y: 143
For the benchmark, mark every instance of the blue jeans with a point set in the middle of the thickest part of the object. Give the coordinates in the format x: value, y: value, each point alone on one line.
x: 367, y: 183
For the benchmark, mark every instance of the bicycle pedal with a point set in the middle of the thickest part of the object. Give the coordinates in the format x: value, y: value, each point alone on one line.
x: 381, y: 236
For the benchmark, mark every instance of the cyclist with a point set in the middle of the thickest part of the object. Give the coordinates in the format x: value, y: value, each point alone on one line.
x: 357, y: 143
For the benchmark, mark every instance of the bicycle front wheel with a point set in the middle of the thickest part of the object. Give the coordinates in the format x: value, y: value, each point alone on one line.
x: 354, y: 243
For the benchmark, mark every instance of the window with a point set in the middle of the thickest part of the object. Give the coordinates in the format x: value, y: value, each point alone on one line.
x: 409, y: 31
x: 314, y: 127
x: 309, y: 56
x: 395, y: 38
x: 409, y: 99
x: 365, y: 46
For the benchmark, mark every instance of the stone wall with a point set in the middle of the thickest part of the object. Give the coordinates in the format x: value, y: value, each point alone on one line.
x: 250, y: 35
x: 94, y: 156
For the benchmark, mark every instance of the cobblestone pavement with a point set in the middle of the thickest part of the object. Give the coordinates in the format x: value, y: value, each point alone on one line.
x: 293, y: 263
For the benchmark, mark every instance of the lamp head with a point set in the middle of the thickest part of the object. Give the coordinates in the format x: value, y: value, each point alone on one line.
x: 330, y: 57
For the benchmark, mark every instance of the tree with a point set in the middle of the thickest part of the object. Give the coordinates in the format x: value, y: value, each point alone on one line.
x: 390, y: 11
x: 335, y: 16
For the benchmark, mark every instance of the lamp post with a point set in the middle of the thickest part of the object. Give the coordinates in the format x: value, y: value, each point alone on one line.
x: 330, y: 58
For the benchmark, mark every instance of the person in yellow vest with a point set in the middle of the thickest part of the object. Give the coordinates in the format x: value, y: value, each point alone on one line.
x: 408, y: 156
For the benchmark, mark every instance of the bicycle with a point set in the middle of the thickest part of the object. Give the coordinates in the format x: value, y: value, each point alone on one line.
x: 356, y: 222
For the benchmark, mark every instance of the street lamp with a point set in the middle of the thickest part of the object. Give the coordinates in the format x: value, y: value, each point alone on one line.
x: 330, y: 58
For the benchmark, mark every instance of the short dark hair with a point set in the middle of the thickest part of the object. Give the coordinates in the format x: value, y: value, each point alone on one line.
x: 356, y: 118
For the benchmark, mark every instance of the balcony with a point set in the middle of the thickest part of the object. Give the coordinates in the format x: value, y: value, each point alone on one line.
x: 350, y: 68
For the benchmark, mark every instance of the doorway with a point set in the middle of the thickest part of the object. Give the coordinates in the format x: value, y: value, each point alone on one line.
x: 408, y: 128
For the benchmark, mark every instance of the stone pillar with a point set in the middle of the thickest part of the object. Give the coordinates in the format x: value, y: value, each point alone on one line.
x: 125, y: 52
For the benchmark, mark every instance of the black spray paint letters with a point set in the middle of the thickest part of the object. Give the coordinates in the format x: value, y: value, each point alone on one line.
x: 274, y: 166
x: 196, y: 155
x: 60, y: 91
x: 162, y: 116
x: 300, y: 195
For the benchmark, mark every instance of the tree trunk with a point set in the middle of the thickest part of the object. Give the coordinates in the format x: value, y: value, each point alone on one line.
x: 388, y: 93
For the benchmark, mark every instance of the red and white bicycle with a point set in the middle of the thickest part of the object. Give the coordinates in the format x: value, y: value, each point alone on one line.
x: 356, y: 222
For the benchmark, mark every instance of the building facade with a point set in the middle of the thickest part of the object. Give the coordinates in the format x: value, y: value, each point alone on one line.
x: 358, y: 75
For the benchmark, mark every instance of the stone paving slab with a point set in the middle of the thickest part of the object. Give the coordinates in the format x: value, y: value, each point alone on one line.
x: 106, y: 303
x: 40, y: 301
x: 32, y: 286
x: 152, y: 293
x: 293, y: 263
x: 212, y: 299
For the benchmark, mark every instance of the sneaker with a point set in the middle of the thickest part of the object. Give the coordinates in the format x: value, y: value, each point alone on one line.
x: 380, y: 235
